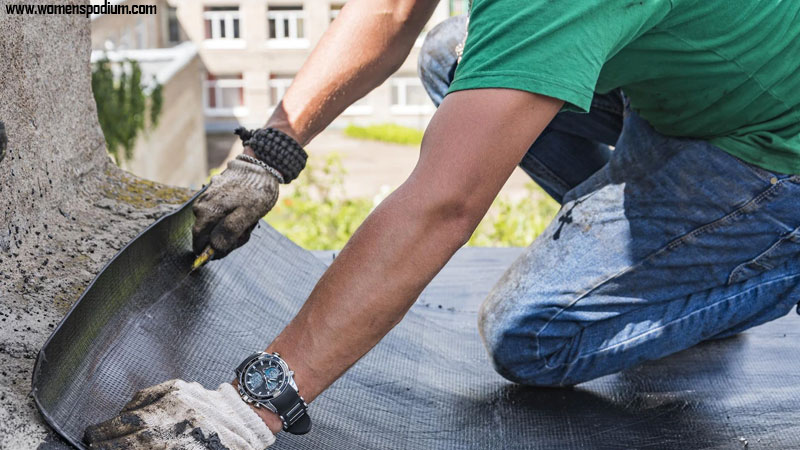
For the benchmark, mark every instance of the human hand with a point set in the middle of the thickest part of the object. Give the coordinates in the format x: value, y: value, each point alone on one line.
x: 177, y: 414
x: 230, y: 208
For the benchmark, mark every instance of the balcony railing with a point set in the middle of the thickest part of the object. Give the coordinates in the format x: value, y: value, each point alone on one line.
x: 287, y: 28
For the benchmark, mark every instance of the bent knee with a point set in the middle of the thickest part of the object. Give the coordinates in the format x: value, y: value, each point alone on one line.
x: 516, y: 361
x: 516, y: 351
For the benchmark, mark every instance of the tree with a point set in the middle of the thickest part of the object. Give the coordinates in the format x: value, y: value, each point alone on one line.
x: 66, y: 208
x: 122, y: 105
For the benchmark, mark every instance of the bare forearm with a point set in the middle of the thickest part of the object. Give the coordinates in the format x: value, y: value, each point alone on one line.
x: 470, y: 148
x: 411, y: 235
x: 368, y: 289
x: 366, y: 43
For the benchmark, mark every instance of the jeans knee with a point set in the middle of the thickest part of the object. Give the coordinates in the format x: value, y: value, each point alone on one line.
x: 438, y: 57
x: 514, y: 348
x: 516, y: 363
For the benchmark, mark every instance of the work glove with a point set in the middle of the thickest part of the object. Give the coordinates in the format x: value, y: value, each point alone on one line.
x: 180, y: 415
x: 230, y: 208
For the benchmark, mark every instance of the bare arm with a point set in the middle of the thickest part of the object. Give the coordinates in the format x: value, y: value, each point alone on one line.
x: 367, y: 42
x: 470, y: 149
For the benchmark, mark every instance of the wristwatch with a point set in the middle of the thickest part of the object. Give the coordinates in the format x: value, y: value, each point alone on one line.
x: 266, y: 381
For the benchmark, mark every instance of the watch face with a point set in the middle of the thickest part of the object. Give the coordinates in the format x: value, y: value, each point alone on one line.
x: 265, y: 377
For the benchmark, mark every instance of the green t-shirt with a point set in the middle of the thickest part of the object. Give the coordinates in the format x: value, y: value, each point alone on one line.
x: 726, y: 71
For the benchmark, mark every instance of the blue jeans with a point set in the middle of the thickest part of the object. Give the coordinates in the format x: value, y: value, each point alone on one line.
x: 660, y: 244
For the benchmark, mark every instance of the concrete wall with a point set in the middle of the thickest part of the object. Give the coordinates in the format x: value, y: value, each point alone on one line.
x: 124, y: 30
x: 174, y: 152
x: 257, y: 59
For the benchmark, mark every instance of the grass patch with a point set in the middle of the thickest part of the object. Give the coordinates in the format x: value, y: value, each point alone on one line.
x: 386, y: 132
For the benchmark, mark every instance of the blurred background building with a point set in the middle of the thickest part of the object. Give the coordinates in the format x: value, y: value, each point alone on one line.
x: 227, y: 63
x: 231, y: 61
x: 175, y: 151
x: 252, y: 50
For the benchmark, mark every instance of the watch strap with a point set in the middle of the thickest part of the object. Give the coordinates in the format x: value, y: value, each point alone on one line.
x: 293, y: 411
x: 246, y: 361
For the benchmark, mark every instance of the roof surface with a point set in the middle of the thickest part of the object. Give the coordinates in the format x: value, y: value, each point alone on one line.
x: 427, y: 385
x: 160, y: 64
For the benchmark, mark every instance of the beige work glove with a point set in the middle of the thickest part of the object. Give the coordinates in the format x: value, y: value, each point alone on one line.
x: 180, y: 415
x: 230, y: 208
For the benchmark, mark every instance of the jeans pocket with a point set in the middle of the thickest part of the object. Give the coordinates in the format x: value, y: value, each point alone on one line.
x: 786, y: 248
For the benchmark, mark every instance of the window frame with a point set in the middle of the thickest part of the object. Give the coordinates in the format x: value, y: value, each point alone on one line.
x: 280, y: 84
x: 334, y: 10
x: 140, y: 34
x: 125, y: 38
x: 216, y: 37
x: 172, y: 18
x: 218, y: 84
x: 287, y: 38
x: 402, y: 107
x: 357, y: 109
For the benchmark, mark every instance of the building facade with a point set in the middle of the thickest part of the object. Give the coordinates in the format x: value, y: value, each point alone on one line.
x: 252, y: 50
x: 248, y: 52
x: 130, y: 32
x: 174, y: 151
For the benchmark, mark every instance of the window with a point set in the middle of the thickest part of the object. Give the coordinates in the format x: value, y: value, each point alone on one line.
x: 152, y: 33
x: 125, y: 39
x: 409, y: 97
x: 140, y: 31
x: 287, y: 27
x: 173, y: 26
x: 336, y: 8
x: 361, y: 107
x: 277, y: 88
x: 222, y: 23
x: 224, y: 95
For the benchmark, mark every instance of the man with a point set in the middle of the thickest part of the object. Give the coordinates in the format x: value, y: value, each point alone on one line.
x: 688, y: 230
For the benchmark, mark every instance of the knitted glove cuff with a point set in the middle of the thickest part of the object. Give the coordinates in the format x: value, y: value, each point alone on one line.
x: 246, y: 416
x: 276, y: 149
x: 262, y: 164
x: 249, y: 175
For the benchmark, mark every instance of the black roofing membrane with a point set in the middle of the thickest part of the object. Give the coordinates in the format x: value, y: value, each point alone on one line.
x: 427, y: 385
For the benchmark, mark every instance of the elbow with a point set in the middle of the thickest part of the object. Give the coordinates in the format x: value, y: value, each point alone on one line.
x: 409, y: 18
x: 394, y: 64
x: 406, y: 13
x: 394, y: 15
x: 453, y: 218
x: 402, y: 21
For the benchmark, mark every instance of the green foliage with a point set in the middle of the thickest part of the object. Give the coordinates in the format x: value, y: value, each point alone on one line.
x: 318, y: 216
x: 387, y: 132
x: 515, y: 223
x: 122, y: 105
x: 156, y: 103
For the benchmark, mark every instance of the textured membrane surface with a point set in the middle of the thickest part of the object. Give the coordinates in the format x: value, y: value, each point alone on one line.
x: 427, y: 385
